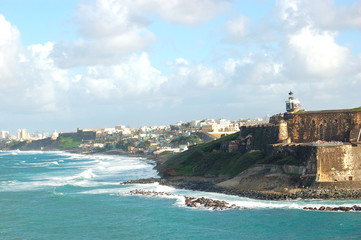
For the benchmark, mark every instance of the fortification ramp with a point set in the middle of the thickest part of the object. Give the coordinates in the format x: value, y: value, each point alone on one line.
x: 205, y: 136
x: 355, y: 135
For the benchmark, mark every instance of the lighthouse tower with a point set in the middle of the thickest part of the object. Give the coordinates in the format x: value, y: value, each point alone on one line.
x: 292, y: 104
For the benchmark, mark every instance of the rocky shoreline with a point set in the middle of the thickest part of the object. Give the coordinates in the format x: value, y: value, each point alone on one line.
x: 209, y: 186
x: 218, y: 205
x: 354, y: 208
x: 215, y: 205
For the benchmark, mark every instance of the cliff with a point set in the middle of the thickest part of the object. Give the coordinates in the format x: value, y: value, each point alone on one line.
x: 63, y: 142
x: 239, y: 163
x: 318, y: 149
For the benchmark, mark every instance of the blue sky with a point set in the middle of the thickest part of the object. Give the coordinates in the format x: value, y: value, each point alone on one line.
x: 99, y: 63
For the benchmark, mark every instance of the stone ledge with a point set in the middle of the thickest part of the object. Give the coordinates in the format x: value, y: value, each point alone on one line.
x: 337, y: 185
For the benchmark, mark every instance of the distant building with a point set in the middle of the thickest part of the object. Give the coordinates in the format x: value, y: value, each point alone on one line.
x: 210, y: 128
x: 327, y: 142
x: 22, y: 134
x: 292, y: 104
x: 55, y: 135
x: 4, y: 134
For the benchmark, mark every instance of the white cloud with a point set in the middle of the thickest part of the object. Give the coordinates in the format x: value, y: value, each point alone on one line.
x: 322, y: 14
x: 188, y: 12
x: 231, y: 64
x: 109, y: 30
x: 102, y: 51
x: 132, y: 79
x: 207, y: 77
x: 237, y: 29
x: 326, y: 14
x: 317, y: 53
x: 195, y: 77
x: 29, y: 80
x: 106, y: 18
x: 9, y: 51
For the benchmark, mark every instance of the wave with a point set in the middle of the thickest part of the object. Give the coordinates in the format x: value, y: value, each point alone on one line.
x: 87, y: 174
x: 77, y: 170
x: 243, y: 203
x: 42, y: 164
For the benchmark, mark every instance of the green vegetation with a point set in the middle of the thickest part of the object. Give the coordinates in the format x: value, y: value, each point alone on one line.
x: 145, y: 144
x: 69, y: 142
x: 201, y: 163
x: 16, y: 145
x: 184, y: 140
x: 357, y: 109
x: 123, y: 144
x: 207, y: 160
x: 294, y: 177
x: 280, y: 159
x: 165, y: 154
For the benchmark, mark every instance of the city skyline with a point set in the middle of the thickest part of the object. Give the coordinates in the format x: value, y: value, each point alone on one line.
x: 93, y: 64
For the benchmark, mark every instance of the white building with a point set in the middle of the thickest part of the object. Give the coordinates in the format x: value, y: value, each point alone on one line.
x: 292, y: 104
x: 23, y: 134
x: 4, y: 134
x: 223, y: 124
x: 195, y: 123
x: 54, y: 135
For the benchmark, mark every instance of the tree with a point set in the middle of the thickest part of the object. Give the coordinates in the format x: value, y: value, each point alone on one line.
x: 145, y: 144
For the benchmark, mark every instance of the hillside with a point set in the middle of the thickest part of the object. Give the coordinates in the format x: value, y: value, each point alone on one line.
x: 251, y: 170
x: 209, y: 160
x: 47, y: 144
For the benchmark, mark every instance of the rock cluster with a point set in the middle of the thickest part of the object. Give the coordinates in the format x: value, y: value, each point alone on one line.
x: 335, y: 209
x: 209, y: 186
x: 209, y: 203
x: 149, y: 193
x: 212, y: 204
x: 145, y: 181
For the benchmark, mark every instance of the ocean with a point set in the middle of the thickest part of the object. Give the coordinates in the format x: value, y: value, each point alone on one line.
x: 58, y: 195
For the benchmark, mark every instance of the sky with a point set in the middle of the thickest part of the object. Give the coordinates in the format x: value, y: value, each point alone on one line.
x: 66, y: 64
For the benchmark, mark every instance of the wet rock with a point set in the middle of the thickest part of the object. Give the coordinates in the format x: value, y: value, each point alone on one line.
x: 191, y: 201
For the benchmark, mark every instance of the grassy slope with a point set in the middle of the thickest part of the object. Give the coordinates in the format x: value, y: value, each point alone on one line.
x: 206, y: 159
x: 69, y: 142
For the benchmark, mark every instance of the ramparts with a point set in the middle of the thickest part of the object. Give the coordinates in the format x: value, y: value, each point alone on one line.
x: 326, y: 143
x: 328, y: 125
x: 258, y: 136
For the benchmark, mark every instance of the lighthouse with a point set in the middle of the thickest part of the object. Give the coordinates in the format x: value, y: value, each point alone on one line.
x: 292, y: 104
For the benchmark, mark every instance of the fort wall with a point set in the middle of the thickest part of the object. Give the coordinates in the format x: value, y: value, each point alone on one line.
x: 84, y: 135
x: 303, y: 152
x: 258, y: 137
x: 335, y: 162
x: 339, y: 163
x: 328, y: 125
x: 323, y: 125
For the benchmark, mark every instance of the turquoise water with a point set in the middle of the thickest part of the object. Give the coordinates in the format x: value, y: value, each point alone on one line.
x: 56, y: 195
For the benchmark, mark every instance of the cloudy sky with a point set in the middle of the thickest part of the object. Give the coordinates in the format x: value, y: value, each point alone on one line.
x: 99, y: 63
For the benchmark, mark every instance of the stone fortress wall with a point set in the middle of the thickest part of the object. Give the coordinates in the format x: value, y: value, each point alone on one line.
x: 328, y: 142
x: 329, y: 125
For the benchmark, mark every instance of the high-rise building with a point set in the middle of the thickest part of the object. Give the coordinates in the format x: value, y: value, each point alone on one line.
x: 22, y: 134
x: 4, y: 134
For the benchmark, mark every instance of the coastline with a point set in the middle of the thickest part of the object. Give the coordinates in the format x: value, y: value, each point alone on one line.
x: 209, y: 184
